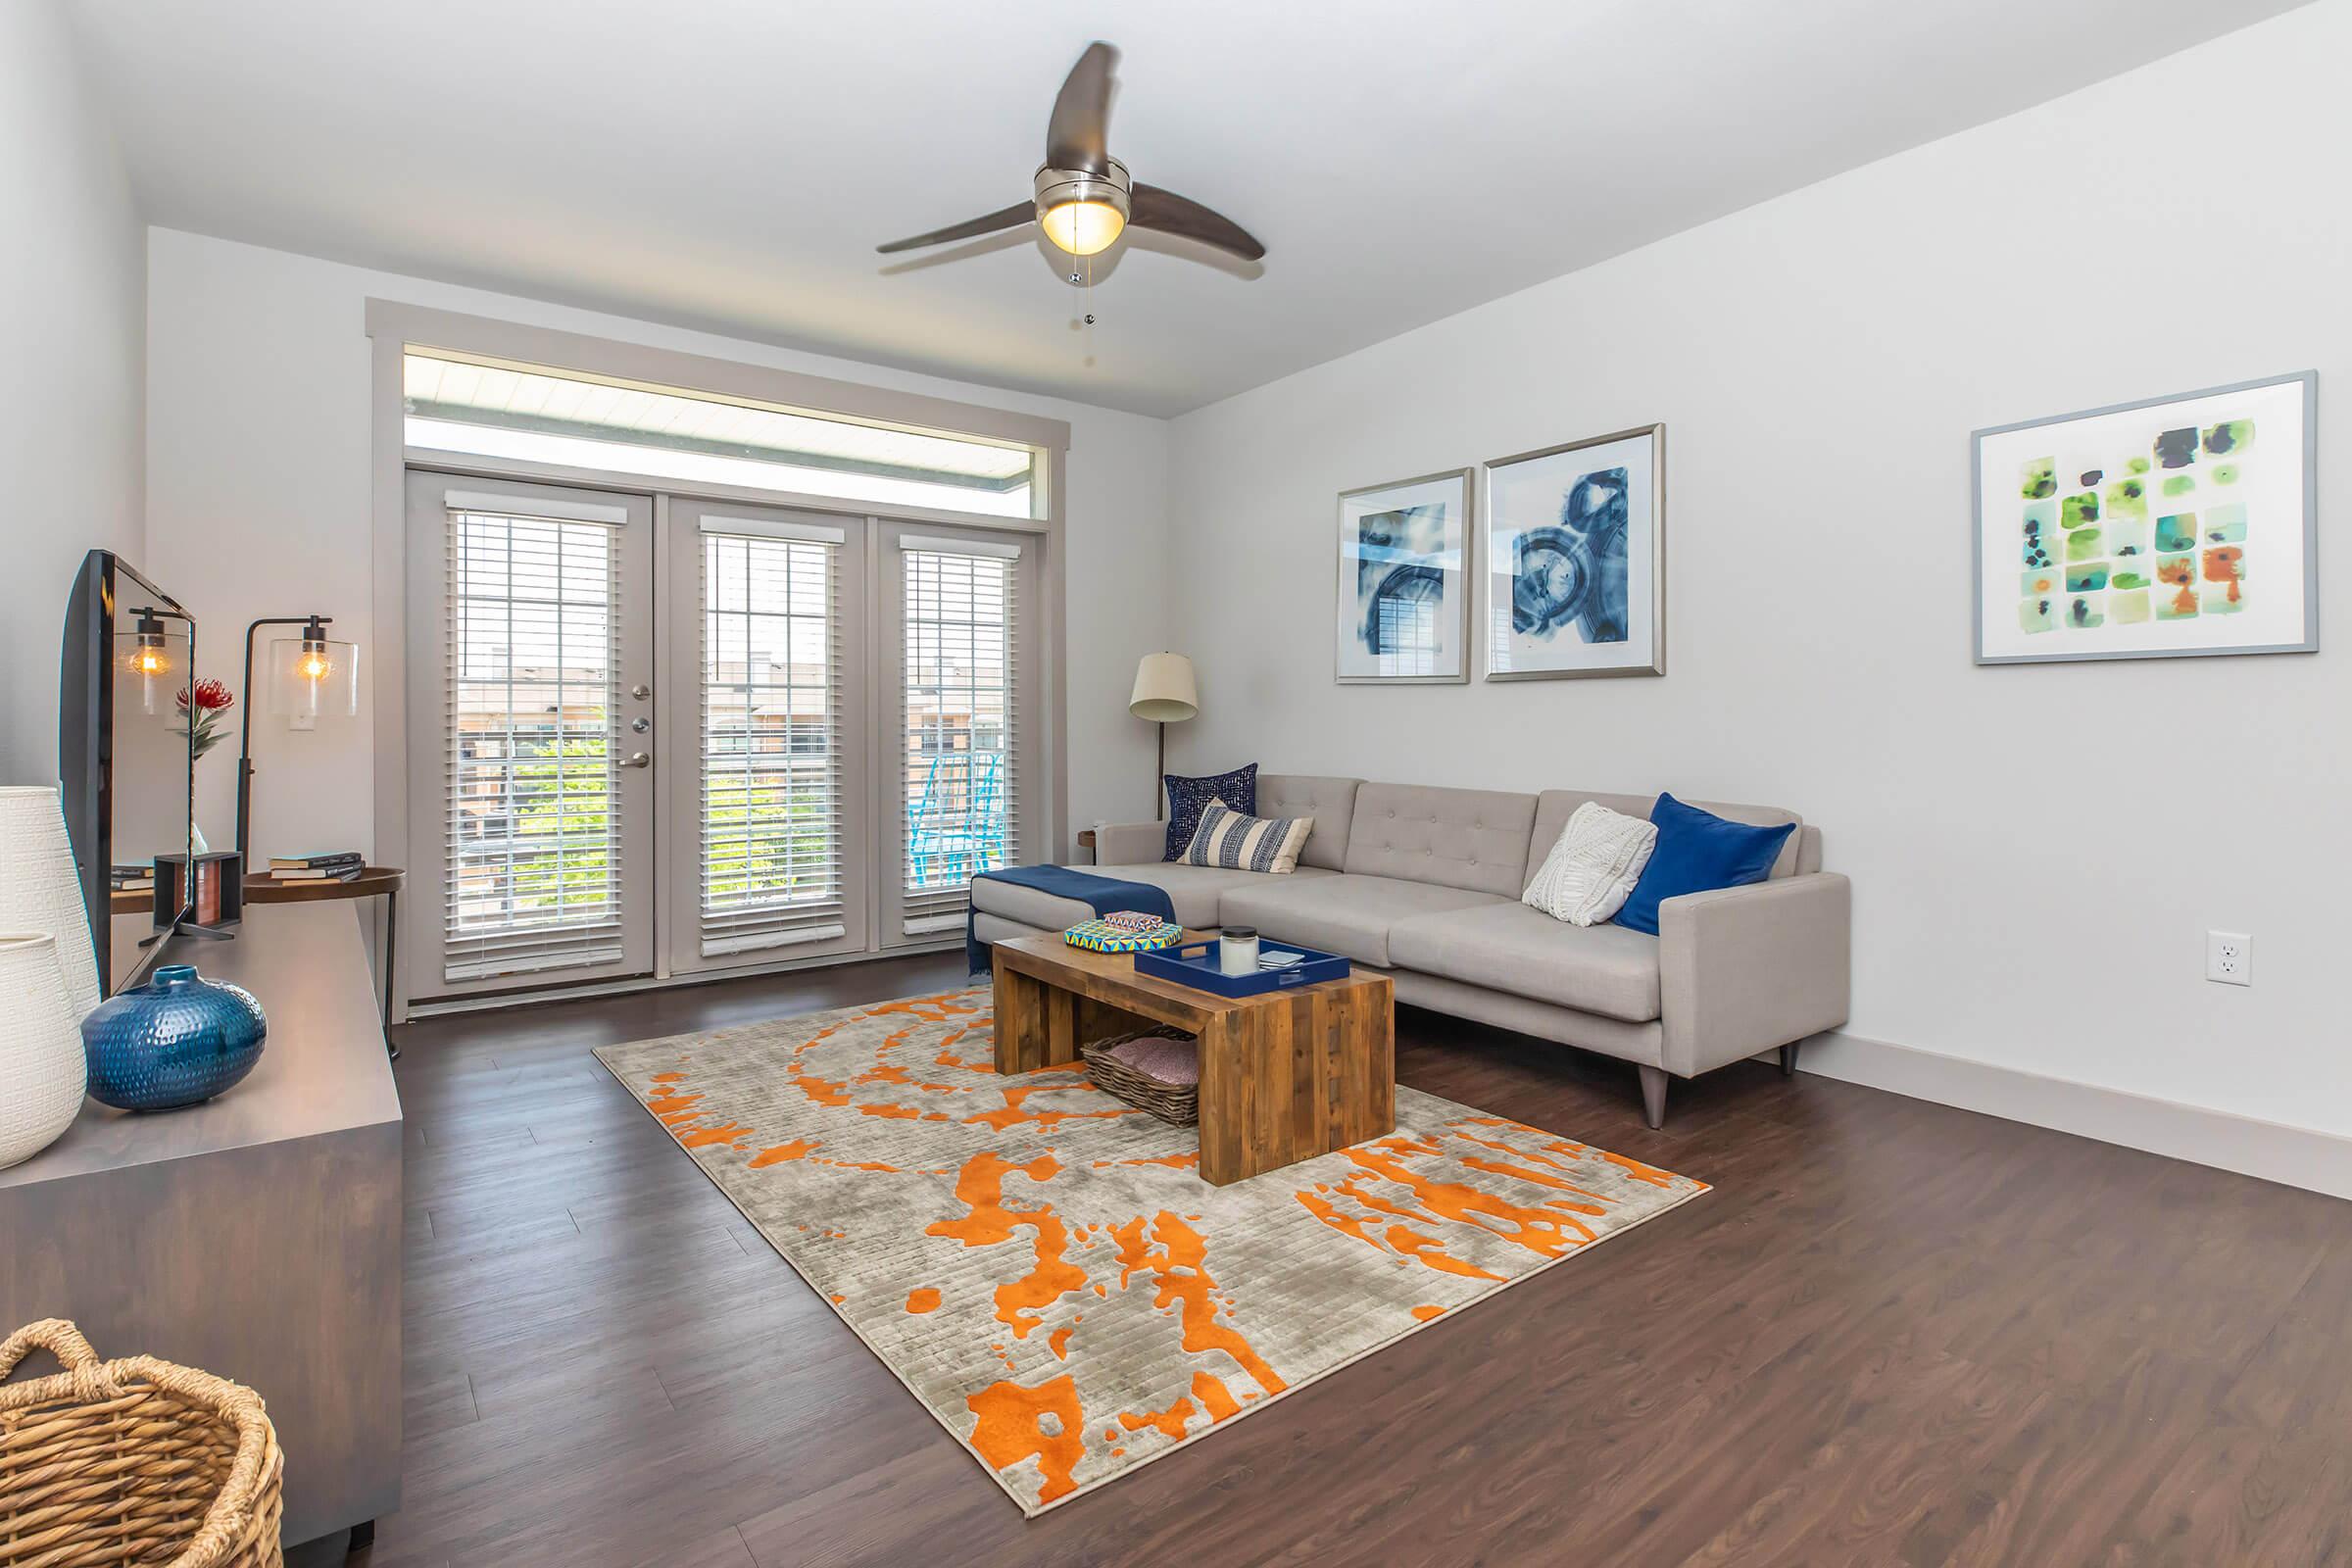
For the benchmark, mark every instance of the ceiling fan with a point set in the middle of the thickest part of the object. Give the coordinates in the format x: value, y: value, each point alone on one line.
x: 1083, y: 197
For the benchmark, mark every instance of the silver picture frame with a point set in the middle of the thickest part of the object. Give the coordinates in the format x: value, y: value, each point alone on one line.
x: 2310, y: 643
x: 1656, y: 435
x: 1459, y: 617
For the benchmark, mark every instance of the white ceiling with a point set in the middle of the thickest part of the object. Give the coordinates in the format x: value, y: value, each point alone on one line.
x: 730, y: 165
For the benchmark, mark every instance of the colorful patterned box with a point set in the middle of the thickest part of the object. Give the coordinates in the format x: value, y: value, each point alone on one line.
x: 1102, y: 936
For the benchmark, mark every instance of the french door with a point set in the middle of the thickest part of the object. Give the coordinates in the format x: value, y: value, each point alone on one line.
x: 764, y: 769
x: 661, y: 735
x: 530, y: 778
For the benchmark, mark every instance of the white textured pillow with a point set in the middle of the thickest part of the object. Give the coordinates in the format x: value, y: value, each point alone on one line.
x: 1593, y: 868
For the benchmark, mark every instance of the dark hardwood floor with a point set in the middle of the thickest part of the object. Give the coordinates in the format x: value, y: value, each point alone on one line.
x: 1894, y: 1333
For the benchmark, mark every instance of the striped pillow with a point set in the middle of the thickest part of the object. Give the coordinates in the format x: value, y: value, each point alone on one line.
x: 1238, y: 843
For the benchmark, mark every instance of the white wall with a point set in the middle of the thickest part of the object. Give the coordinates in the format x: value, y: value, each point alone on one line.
x: 258, y: 464
x: 73, y: 309
x: 2037, y: 850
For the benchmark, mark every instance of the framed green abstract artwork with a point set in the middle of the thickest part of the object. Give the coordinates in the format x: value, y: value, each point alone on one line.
x: 2171, y: 527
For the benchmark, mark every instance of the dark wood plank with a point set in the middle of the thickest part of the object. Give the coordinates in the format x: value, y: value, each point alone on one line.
x: 1894, y: 1333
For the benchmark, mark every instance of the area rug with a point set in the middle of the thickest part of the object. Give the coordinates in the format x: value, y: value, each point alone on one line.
x: 1043, y: 1267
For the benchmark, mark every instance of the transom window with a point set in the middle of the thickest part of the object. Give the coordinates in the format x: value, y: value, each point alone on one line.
x: 487, y: 407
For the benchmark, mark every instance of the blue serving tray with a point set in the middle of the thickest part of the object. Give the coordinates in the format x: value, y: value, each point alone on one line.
x: 1195, y: 964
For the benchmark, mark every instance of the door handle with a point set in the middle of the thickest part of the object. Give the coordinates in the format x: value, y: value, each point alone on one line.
x: 637, y: 759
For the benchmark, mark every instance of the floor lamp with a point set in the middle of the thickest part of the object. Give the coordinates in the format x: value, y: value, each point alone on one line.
x: 1165, y: 694
x: 308, y: 679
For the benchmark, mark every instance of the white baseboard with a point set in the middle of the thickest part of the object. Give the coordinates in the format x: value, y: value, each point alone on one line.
x: 2297, y: 1156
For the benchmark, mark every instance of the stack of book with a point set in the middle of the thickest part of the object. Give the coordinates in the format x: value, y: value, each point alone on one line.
x: 336, y: 865
x: 132, y: 879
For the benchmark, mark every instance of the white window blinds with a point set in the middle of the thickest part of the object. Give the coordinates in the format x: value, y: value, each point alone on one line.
x: 773, y: 739
x: 957, y: 723
x: 532, y: 841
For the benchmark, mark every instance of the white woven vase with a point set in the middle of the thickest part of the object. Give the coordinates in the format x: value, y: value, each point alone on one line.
x: 42, y: 1069
x: 38, y: 889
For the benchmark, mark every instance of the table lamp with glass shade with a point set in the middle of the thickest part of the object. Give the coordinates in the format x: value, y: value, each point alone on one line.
x: 309, y: 677
x: 1165, y: 693
x: 156, y: 655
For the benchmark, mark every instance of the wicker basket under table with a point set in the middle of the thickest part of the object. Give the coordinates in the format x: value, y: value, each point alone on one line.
x: 133, y: 1461
x: 1176, y: 1103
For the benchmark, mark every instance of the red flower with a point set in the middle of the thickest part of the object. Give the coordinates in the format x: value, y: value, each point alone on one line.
x: 212, y: 697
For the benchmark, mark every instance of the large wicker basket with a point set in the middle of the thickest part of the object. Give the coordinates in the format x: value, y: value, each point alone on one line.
x: 133, y: 1461
x: 1177, y: 1104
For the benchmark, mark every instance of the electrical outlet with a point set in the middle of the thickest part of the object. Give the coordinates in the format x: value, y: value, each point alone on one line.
x: 2229, y: 958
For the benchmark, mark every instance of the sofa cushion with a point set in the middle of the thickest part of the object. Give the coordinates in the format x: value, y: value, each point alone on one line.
x: 1471, y: 839
x: 1331, y: 802
x: 1553, y: 808
x: 1239, y: 842
x: 1511, y: 948
x: 1698, y: 852
x: 1344, y: 915
x: 1188, y: 797
x: 1594, y: 867
x: 1193, y: 890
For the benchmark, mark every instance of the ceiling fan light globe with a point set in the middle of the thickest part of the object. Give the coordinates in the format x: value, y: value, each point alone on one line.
x: 1083, y: 211
x: 1084, y: 229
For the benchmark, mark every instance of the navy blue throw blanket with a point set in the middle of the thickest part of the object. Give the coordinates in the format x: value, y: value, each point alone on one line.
x: 1107, y: 895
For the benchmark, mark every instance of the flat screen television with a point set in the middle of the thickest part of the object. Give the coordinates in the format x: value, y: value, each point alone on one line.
x: 126, y: 754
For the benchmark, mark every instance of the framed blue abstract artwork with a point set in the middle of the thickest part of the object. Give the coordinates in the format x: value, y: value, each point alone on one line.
x: 1403, y: 607
x: 1576, y: 559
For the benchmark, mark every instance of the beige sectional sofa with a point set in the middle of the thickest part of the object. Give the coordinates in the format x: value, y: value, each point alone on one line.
x: 1423, y: 884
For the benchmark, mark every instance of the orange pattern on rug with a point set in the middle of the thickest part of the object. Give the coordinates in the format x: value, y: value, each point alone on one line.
x: 1044, y: 1268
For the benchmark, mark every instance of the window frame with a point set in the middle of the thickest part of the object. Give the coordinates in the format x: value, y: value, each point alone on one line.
x: 617, y: 437
x: 394, y: 327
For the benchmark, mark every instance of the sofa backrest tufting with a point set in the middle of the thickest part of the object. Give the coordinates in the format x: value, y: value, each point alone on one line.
x: 1331, y: 802
x: 1471, y: 839
x: 1487, y: 841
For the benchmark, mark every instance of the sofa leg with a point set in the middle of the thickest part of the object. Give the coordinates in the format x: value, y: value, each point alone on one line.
x: 1654, y: 1096
x: 1789, y: 1059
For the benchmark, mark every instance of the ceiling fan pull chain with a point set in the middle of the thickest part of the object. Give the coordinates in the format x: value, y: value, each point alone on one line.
x: 1088, y: 262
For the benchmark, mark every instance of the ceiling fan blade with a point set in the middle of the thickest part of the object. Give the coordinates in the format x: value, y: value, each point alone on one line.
x: 1008, y: 218
x: 1077, y: 136
x: 1170, y: 214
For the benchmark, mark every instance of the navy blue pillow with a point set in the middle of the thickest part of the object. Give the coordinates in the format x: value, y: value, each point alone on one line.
x: 1698, y: 852
x: 1188, y: 797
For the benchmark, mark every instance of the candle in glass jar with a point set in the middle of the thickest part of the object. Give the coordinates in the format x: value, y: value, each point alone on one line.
x: 1237, y: 950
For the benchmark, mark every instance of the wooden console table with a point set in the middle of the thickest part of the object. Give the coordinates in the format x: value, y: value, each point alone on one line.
x: 1285, y: 1075
x: 257, y: 1236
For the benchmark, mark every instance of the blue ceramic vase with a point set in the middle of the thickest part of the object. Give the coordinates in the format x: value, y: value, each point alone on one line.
x: 177, y: 1040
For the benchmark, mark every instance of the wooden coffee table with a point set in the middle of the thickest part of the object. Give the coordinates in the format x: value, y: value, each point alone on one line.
x: 1285, y: 1076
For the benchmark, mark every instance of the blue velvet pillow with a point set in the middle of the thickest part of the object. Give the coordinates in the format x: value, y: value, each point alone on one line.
x: 1188, y: 797
x: 1697, y: 851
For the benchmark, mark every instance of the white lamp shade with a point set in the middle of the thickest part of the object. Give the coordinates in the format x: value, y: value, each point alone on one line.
x: 1164, y: 690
